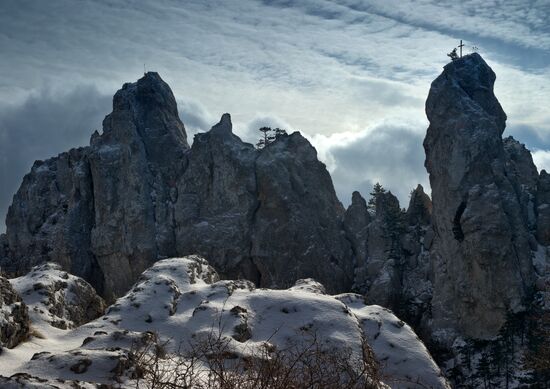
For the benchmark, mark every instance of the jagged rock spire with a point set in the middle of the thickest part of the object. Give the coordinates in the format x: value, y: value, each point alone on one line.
x: 481, y: 252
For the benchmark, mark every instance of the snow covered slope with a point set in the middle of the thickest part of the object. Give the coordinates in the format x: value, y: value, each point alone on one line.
x: 181, y: 300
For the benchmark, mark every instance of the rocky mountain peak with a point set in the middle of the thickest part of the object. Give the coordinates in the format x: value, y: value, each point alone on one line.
x: 224, y: 126
x: 420, y: 207
x: 481, y: 250
x: 470, y: 81
x: 358, y: 201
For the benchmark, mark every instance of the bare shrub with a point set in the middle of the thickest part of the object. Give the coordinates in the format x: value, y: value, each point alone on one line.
x: 212, y: 362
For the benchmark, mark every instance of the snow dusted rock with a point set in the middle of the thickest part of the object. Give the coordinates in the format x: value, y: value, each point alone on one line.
x: 481, y: 252
x: 14, y: 316
x: 309, y: 285
x: 57, y: 297
x: 404, y: 360
x: 27, y: 381
x: 182, y: 300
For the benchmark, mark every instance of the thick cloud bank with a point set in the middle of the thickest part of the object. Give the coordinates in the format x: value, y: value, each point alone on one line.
x: 44, y: 125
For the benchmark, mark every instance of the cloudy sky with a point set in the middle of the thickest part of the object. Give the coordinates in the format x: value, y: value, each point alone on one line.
x: 352, y: 75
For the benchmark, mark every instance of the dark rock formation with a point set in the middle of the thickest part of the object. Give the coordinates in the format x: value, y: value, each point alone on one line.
x: 138, y: 193
x: 217, y: 198
x: 391, y: 252
x: 356, y: 221
x: 543, y: 208
x: 480, y: 190
x: 105, y: 212
x: 297, y: 227
x: 135, y: 165
x: 14, y: 316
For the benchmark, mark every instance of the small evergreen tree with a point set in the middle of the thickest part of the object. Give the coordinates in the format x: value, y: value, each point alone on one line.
x: 484, y: 370
x: 538, y: 356
x: 377, y: 190
x: 267, y: 137
x: 279, y: 132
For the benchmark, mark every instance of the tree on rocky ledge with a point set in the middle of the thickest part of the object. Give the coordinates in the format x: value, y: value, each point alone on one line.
x: 269, y: 135
x: 377, y: 189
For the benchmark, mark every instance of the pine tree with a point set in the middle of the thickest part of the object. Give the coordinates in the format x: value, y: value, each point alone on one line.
x: 376, y: 191
x: 484, y: 369
x: 279, y: 132
x: 538, y: 357
x: 267, y: 137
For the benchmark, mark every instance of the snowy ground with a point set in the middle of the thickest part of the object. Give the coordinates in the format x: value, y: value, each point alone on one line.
x: 182, y: 300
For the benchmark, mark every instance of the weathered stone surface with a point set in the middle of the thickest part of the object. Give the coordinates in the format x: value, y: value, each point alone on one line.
x: 14, y: 316
x: 297, y: 227
x: 382, y: 273
x: 52, y: 215
x: 61, y: 299
x: 481, y: 253
x: 135, y: 165
x: 105, y: 212
x: 543, y: 208
x: 217, y: 198
x: 138, y: 193
x: 420, y: 208
x: 356, y: 221
x: 520, y: 167
x: 392, y: 262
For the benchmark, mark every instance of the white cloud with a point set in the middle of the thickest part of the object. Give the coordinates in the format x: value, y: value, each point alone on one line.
x: 46, y: 124
x: 389, y: 152
x: 541, y: 158
x: 333, y: 69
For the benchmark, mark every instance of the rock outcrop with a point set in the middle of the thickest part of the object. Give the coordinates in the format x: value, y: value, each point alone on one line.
x: 482, y: 200
x: 57, y: 297
x: 542, y: 201
x: 139, y: 193
x: 14, y: 316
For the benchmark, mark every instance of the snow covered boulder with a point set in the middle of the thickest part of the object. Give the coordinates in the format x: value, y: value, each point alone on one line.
x: 57, y: 297
x: 14, y: 316
x: 181, y: 314
x: 404, y: 360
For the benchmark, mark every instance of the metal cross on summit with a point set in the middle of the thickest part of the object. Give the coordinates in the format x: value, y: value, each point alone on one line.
x: 461, y: 45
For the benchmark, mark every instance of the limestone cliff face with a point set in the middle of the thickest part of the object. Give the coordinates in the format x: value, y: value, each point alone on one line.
x: 139, y: 193
x: 481, y: 193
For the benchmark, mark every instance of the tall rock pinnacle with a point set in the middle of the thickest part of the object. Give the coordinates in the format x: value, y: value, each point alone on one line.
x: 105, y: 212
x: 481, y: 251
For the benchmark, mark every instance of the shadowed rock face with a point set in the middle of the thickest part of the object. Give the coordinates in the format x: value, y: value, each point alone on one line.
x: 14, y: 316
x: 139, y: 193
x: 105, y: 212
x: 481, y: 188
